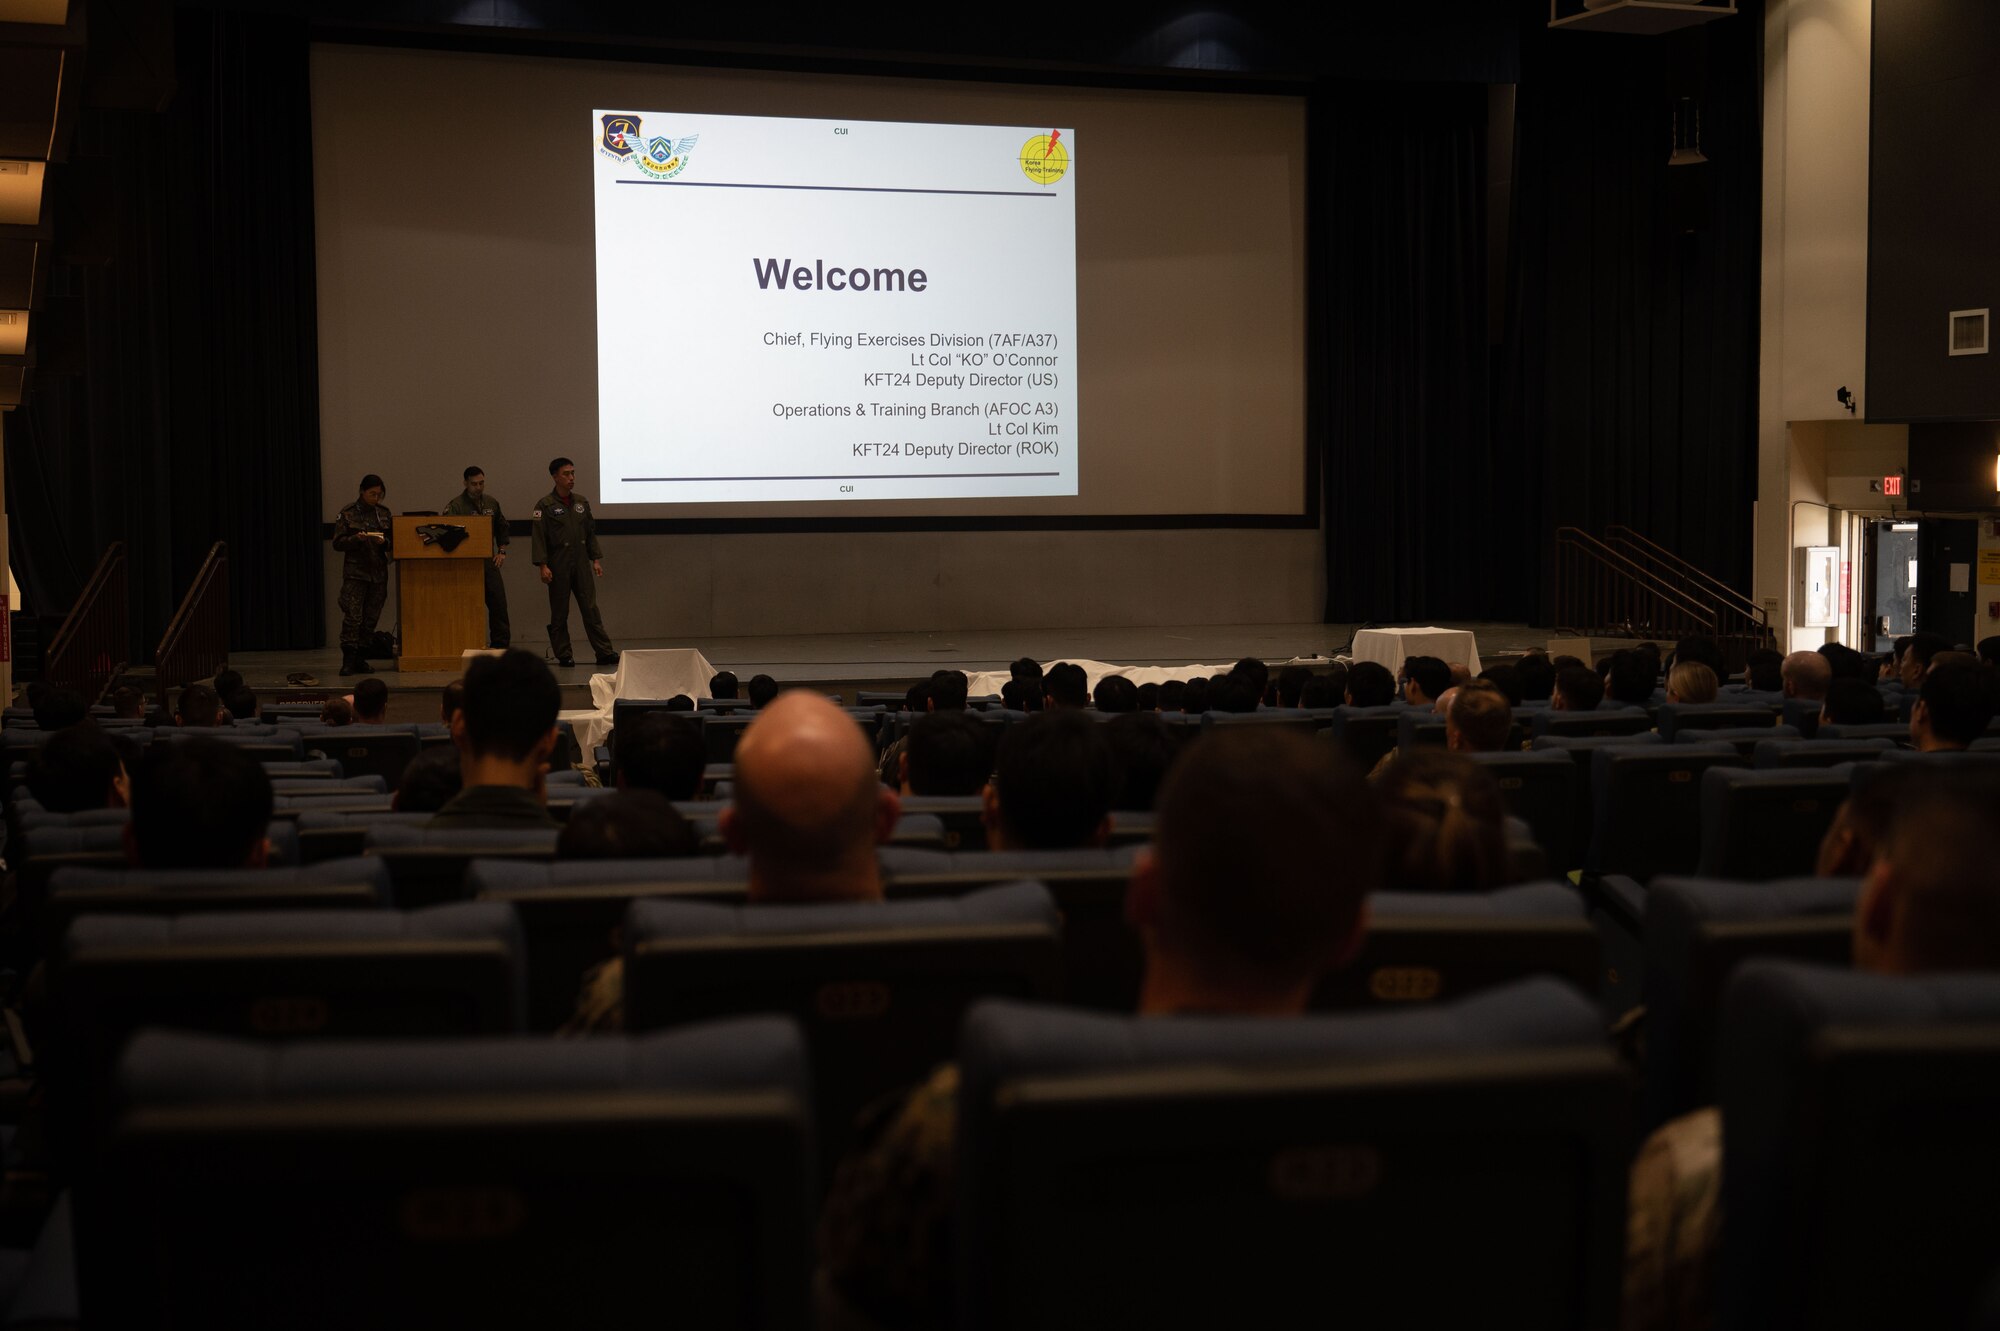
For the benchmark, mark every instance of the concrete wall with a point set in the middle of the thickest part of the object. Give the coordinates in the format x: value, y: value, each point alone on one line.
x: 681, y: 589
x: 1815, y: 284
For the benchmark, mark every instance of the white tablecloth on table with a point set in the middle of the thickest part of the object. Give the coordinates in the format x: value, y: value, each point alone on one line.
x: 1391, y: 647
x: 651, y: 674
x: 987, y: 682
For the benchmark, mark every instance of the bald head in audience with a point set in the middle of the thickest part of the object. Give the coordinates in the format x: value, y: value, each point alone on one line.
x: 1806, y: 675
x: 1477, y: 719
x: 810, y: 808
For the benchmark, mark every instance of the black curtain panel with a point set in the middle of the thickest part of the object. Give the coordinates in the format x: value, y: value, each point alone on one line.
x: 1629, y: 388
x: 1413, y: 491
x: 177, y: 400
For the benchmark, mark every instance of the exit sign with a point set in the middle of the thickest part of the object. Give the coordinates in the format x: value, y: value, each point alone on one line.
x: 1892, y: 485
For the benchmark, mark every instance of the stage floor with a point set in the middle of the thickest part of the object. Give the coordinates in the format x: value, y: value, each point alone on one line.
x: 863, y: 659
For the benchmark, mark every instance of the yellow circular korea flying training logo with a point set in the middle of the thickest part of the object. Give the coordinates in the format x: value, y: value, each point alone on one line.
x: 1044, y: 159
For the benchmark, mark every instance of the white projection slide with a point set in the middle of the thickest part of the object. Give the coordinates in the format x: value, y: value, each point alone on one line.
x: 824, y: 309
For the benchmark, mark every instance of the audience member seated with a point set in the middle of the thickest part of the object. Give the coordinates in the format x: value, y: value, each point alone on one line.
x: 1148, y: 697
x: 1477, y: 720
x: 1562, y: 663
x: 1194, y: 697
x: 1629, y: 679
x: 1892, y: 669
x: 451, y: 700
x: 1461, y: 673
x: 722, y: 684
x: 429, y: 782
x: 1852, y: 702
x: 1915, y: 659
x: 1173, y: 695
x: 1322, y: 691
x: 1691, y: 682
x: 661, y: 753
x: 1764, y: 671
x: 1256, y: 887
x: 1699, y: 648
x: 1861, y: 824
x: 128, y: 703
x: 1578, y: 689
x: 199, y: 804
x: 1291, y: 685
x: 1425, y: 678
x: 1051, y: 787
x: 242, y: 704
x: 948, y: 753
x: 1538, y: 677
x: 1370, y: 684
x: 1232, y: 693
x: 1254, y: 673
x: 1066, y: 685
x: 1954, y: 707
x: 197, y: 707
x: 336, y: 712
x: 1446, y: 824
x: 1846, y: 663
x: 1806, y: 675
x: 1988, y: 650
x: 226, y: 682
x: 1115, y: 693
x: 809, y: 812
x: 1141, y: 753
x: 1507, y: 679
x: 77, y: 769
x: 680, y: 702
x: 1930, y: 903
x: 949, y: 689
x: 1027, y: 672
x: 504, y: 735
x: 761, y: 690
x: 1016, y: 697
x: 371, y: 702
x: 626, y: 825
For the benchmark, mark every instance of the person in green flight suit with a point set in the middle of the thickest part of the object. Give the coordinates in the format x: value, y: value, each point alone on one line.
x: 361, y: 532
x: 565, y: 548
x: 474, y: 502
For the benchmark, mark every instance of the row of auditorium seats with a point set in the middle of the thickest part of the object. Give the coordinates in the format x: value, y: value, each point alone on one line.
x: 1108, y: 1167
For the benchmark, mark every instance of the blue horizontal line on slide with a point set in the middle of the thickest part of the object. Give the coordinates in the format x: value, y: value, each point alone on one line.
x: 865, y: 476
x: 844, y: 189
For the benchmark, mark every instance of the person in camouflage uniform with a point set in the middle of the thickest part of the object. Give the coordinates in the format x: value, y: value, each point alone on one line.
x: 474, y: 502
x: 361, y: 533
x: 566, y: 550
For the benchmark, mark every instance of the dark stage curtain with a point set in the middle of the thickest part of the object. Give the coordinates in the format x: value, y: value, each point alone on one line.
x: 1629, y: 393
x: 177, y: 401
x: 1409, y: 481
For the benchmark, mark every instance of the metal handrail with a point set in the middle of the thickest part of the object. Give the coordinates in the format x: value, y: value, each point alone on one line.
x: 94, y: 644
x: 1601, y: 590
x: 1619, y: 534
x: 196, y: 643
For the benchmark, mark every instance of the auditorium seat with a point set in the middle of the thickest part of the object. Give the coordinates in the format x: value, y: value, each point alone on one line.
x: 720, y: 733
x: 1673, y: 717
x: 1697, y: 930
x: 1131, y: 827
x: 496, y: 1183
x: 447, y: 970
x: 1366, y: 733
x: 1462, y: 1164
x: 49, y: 850
x: 570, y: 911
x: 1802, y: 713
x: 1816, y: 752
x: 304, y: 769
x: 1100, y: 951
x: 1897, y: 732
x: 879, y: 987
x: 1419, y: 728
x: 1601, y: 722
x: 334, y: 801
x: 1526, y: 862
x: 1764, y: 824
x: 960, y: 816
x: 1424, y: 947
x: 1859, y: 1160
x: 260, y: 742
x: 1282, y: 718
x: 1539, y: 787
x: 369, y: 750
x: 336, y: 833
x: 1646, y: 806
x: 1744, y: 739
x: 348, y: 884
x: 427, y: 865
x: 1970, y: 760
x: 329, y: 787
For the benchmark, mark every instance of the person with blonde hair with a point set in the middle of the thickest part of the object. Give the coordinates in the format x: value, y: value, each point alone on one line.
x: 1691, y: 682
x: 1445, y: 823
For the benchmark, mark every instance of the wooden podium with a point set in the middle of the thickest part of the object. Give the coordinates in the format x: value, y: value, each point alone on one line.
x: 442, y: 593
